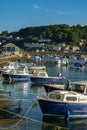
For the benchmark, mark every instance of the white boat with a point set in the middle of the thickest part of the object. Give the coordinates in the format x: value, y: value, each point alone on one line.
x: 65, y: 62
x: 37, y: 58
x: 9, y: 66
x: 67, y: 104
x: 20, y: 74
x: 13, y: 66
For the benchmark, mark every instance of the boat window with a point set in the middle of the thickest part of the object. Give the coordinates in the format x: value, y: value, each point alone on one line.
x: 58, y: 97
x: 78, y: 88
x: 82, y: 99
x: 54, y: 96
x: 71, y: 98
x: 42, y: 74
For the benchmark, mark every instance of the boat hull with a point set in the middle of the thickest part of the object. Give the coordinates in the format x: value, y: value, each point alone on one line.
x: 47, y: 79
x: 52, y: 108
x: 49, y: 87
x: 16, y: 77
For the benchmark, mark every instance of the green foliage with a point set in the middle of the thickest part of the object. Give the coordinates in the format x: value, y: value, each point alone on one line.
x: 4, y: 33
x: 57, y: 33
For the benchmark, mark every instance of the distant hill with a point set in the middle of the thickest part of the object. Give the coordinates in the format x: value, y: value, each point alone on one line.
x: 57, y: 33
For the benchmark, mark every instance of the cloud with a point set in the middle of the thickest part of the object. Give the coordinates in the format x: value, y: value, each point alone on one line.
x: 59, y: 12
x: 64, y: 13
x: 36, y: 6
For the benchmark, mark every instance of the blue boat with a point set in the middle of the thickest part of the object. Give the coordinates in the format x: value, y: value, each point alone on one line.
x: 42, y: 77
x: 20, y: 74
x: 66, y: 104
x: 78, y: 66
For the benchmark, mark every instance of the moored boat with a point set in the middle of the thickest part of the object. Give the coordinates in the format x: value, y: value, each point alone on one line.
x: 42, y: 77
x: 64, y: 62
x: 67, y: 104
x: 20, y: 74
x: 37, y: 68
x: 78, y: 66
x: 51, y: 87
x: 66, y: 85
x: 9, y: 66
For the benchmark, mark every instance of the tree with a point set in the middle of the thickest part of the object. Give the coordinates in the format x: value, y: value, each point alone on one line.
x: 4, y: 33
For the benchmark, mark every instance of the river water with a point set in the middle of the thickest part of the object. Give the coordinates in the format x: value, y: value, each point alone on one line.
x: 25, y: 108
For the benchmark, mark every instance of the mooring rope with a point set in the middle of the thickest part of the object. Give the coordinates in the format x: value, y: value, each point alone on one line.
x: 23, y: 117
x: 27, y: 118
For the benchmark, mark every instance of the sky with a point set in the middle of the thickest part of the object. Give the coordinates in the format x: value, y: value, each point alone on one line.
x: 18, y: 14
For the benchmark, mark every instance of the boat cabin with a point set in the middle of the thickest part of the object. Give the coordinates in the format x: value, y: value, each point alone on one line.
x: 8, y: 67
x: 67, y: 96
x: 22, y: 69
x: 11, y: 65
x: 80, y: 87
x: 39, y: 73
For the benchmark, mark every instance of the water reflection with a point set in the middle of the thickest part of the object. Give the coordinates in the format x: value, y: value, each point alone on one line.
x: 37, y: 88
x: 24, y: 87
x: 55, y: 124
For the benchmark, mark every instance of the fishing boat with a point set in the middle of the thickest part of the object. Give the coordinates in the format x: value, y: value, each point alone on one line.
x: 42, y: 77
x: 67, y: 104
x: 20, y: 74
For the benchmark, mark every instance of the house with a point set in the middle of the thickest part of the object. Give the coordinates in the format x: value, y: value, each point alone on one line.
x: 10, y: 49
x: 75, y: 48
x: 57, y: 47
x: 67, y: 48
